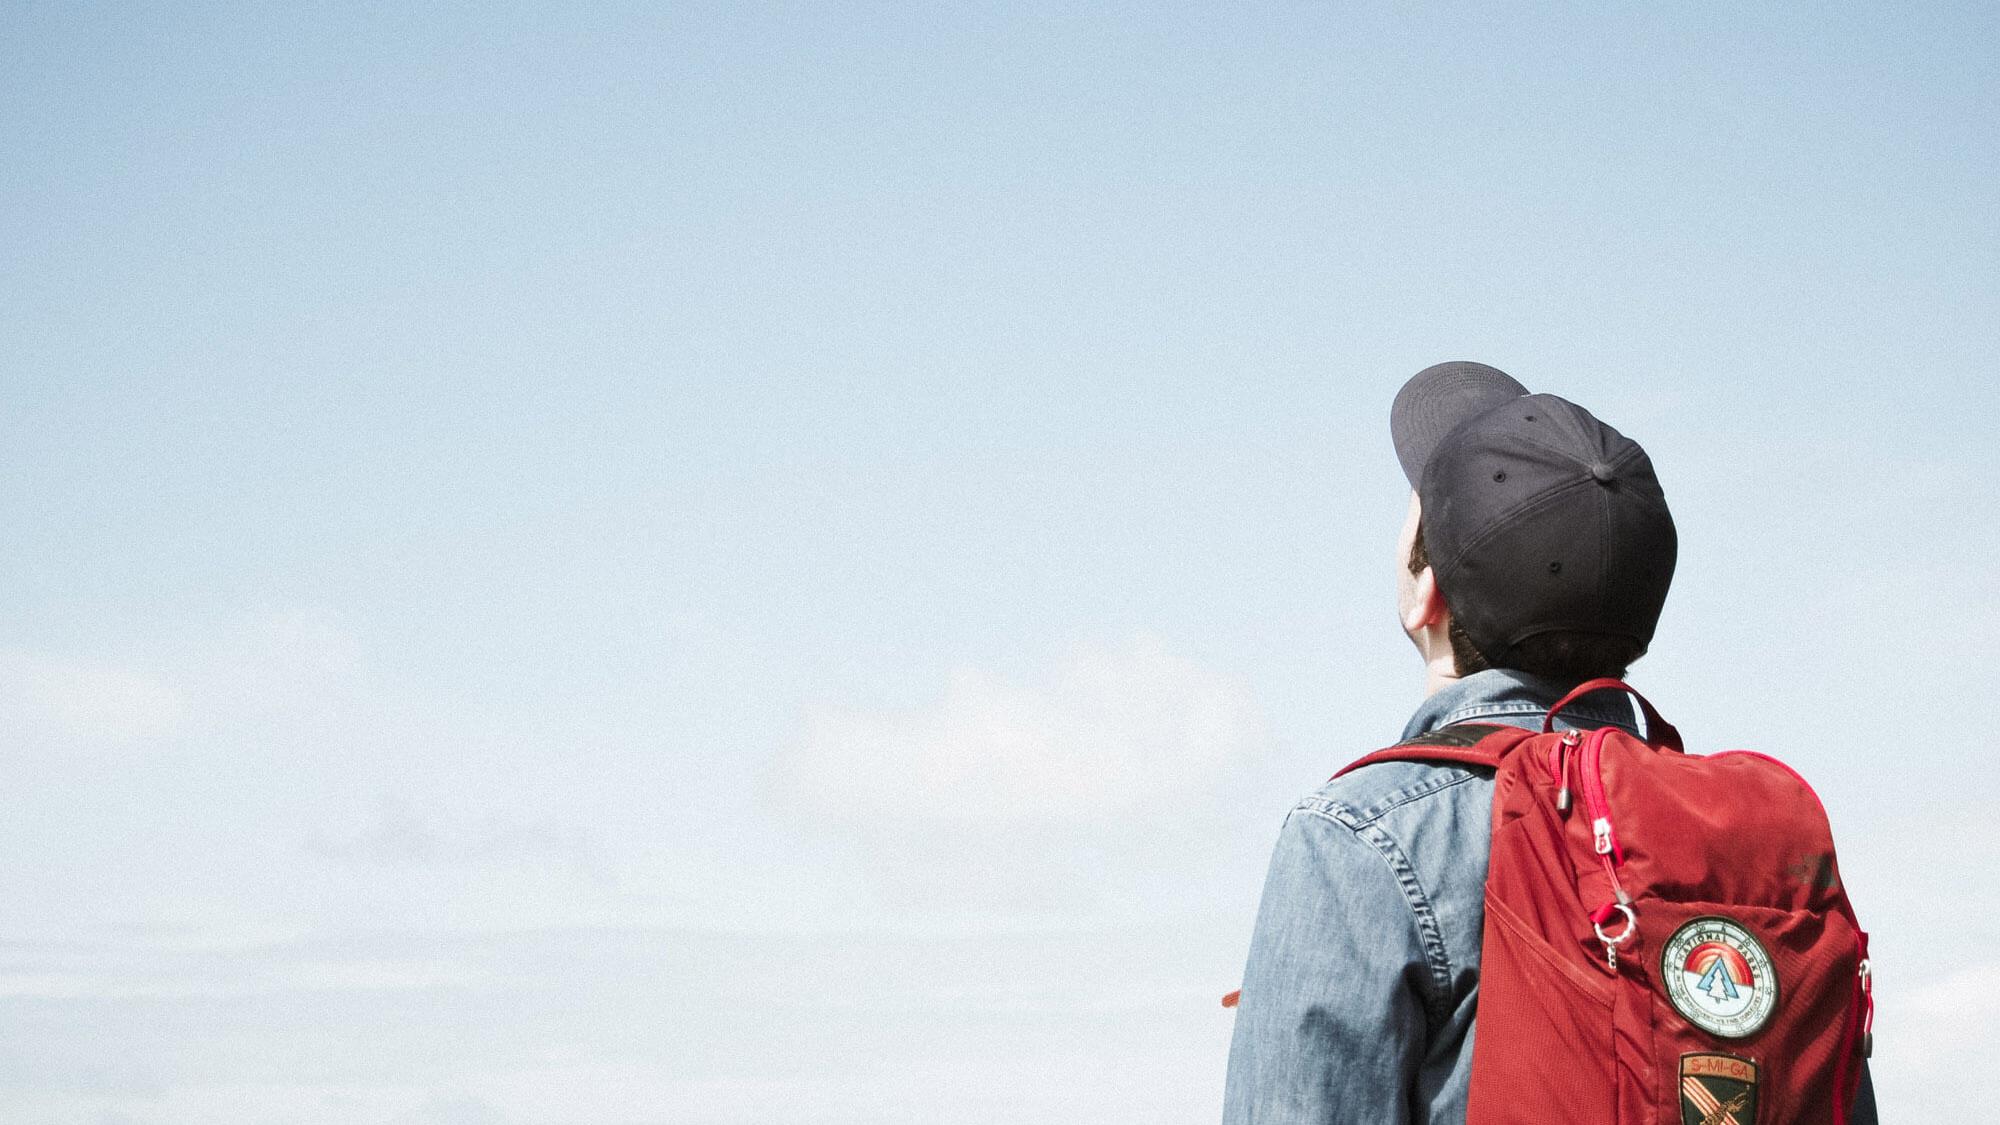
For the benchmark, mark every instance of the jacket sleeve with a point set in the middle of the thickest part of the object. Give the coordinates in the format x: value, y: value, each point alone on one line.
x: 1331, y: 1024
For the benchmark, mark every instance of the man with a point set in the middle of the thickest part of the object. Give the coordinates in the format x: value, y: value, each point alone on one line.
x: 1537, y: 554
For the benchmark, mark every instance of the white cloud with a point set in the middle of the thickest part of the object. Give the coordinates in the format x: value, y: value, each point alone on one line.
x: 49, y: 697
x: 398, y: 835
x: 1105, y: 730
x: 395, y: 835
x: 273, y: 667
x: 1094, y: 784
x: 276, y: 664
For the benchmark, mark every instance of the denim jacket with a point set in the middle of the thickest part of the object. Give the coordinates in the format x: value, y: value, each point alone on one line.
x: 1363, y: 974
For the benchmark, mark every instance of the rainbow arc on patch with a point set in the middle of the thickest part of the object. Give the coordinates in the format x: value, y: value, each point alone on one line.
x: 1722, y: 968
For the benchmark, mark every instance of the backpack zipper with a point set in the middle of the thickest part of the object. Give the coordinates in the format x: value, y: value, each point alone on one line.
x: 1866, y: 974
x: 1858, y: 1039
x: 1596, y: 804
x: 1603, y: 836
x: 1604, y: 840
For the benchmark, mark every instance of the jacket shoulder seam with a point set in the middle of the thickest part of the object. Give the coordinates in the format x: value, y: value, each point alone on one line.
x: 1430, y: 934
x: 1442, y: 777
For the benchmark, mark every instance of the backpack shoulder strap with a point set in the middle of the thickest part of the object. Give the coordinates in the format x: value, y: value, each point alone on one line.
x: 1463, y: 744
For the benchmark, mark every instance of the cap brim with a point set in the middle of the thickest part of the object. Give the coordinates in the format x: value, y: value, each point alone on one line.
x: 1436, y: 400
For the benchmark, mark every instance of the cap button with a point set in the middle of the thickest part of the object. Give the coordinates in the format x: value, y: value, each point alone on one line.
x: 1601, y: 471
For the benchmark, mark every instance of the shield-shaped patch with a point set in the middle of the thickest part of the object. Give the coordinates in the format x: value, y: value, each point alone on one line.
x: 1718, y: 1090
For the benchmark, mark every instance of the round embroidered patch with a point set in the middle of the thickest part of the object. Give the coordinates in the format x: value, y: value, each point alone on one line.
x: 1719, y: 977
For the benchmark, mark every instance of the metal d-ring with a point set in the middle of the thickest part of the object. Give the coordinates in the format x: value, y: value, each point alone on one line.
x: 1612, y: 943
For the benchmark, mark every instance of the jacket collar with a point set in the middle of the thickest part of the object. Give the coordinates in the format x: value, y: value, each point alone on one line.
x: 1503, y: 695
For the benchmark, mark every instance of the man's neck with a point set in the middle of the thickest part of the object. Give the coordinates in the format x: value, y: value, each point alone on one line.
x: 1440, y: 674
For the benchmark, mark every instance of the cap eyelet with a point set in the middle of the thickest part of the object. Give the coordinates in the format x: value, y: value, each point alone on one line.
x: 1555, y: 568
x: 1500, y: 476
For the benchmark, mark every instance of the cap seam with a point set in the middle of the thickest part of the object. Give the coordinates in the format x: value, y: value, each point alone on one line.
x: 1604, y: 546
x: 1635, y: 451
x: 1542, y: 499
x: 1497, y: 524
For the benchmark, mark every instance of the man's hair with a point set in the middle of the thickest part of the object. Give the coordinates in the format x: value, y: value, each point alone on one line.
x: 1562, y: 654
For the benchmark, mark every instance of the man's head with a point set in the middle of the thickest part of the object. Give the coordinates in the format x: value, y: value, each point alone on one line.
x: 1538, y: 537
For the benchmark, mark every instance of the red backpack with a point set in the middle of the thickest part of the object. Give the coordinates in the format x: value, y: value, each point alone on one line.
x: 1666, y: 940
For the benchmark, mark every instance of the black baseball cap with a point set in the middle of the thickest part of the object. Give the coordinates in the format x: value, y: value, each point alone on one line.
x: 1537, y: 516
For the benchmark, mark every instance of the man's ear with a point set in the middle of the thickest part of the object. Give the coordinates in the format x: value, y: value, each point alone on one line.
x: 1426, y: 604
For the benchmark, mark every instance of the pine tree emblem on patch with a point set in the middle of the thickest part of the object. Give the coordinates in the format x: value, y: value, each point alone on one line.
x: 1719, y: 977
x: 1718, y: 1090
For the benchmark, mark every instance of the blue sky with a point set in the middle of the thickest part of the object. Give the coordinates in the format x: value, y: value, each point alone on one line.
x: 562, y: 561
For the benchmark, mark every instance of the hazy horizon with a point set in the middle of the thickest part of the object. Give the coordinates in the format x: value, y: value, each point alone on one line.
x: 710, y: 562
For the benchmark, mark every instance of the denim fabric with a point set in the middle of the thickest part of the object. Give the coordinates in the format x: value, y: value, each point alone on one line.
x: 1359, y: 992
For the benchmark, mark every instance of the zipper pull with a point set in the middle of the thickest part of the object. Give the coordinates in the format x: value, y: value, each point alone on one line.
x: 1868, y: 1018
x: 1601, y: 832
x: 1569, y: 741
